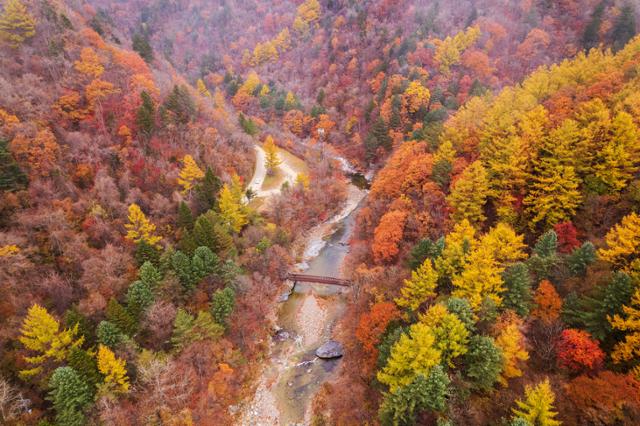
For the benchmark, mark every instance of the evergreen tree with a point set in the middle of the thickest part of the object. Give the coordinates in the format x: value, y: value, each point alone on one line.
x: 624, y: 27
x: 423, y: 250
x: 118, y: 315
x: 538, y: 409
x: 178, y: 107
x: 377, y: 137
x: 140, y: 44
x: 185, y: 216
x: 149, y: 275
x: 181, y: 265
x: 16, y: 24
x: 402, y: 407
x: 544, y: 256
x: 462, y: 309
x: 11, y: 177
x: 73, y: 318
x: 204, y: 263
x: 222, y: 304
x: 146, y: 115
x: 387, y: 342
x: 187, y: 329
x: 207, y: 190
x: 188, y: 242
x: 581, y: 258
x: 139, y: 298
x: 69, y: 394
x: 85, y: 364
x: 591, y: 35
x: 108, y: 334
x: 204, y: 234
x: 484, y: 362
x: 517, y: 295
x: 146, y: 252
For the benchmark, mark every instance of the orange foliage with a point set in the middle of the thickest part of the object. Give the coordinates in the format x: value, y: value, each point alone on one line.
x: 39, y: 154
x: 547, y: 303
x: 578, y: 351
x: 69, y: 107
x: 372, y: 325
x: 387, y: 235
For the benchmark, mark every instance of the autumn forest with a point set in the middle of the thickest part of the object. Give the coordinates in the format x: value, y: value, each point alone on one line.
x: 319, y: 212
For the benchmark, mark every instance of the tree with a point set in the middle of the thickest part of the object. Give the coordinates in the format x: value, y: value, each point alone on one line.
x: 119, y: 316
x: 547, y: 303
x: 41, y: 333
x: 619, y: 157
x: 423, y: 250
x: 84, y: 363
x: 302, y: 179
x: 591, y: 37
x: 578, y: 352
x: 628, y: 322
x: 624, y: 27
x: 187, y: 329
x: 181, y: 265
x: 69, y: 394
x: 581, y: 258
x: 449, y: 50
x: 452, y: 336
x: 185, y: 216
x: 469, y: 194
x: 377, y: 137
x: 544, y: 256
x: 39, y: 154
x: 480, y: 279
x: 189, y: 174
x: 204, y: 263
x: 511, y: 343
x: 413, y: 355
x: 415, y: 97
x: 372, y: 325
x: 202, y: 88
x: 458, y: 245
x: 623, y: 241
x: 567, y: 237
x: 11, y: 177
x: 420, y: 288
x: 517, y: 283
x: 139, y: 298
x: 179, y: 107
x: 140, y: 228
x: 140, y: 43
x: 506, y: 246
x: 232, y: 211
x: 114, y: 371
x: 108, y: 334
x: 484, y: 361
x: 462, y: 309
x: 222, y: 304
x: 89, y: 63
x: 149, y: 275
x: 272, y: 159
x: 387, y: 235
x: 430, y: 393
x: 538, y: 409
x: 207, y: 190
x: 16, y: 24
x: 146, y: 114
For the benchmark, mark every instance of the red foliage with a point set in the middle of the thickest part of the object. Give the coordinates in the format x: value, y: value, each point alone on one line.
x: 372, y: 325
x: 567, y: 237
x: 578, y: 351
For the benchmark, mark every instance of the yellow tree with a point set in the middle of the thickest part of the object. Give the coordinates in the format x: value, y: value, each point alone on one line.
x: 114, y: 371
x: 283, y: 40
x: 140, y: 228
x: 189, y: 174
x: 480, y: 279
x: 414, y: 354
x: 16, y: 24
x: 469, y: 194
x: 511, y: 341
x: 9, y: 250
x: 41, y: 333
x: 89, y: 63
x: 450, y: 332
x: 309, y: 11
x: 232, y: 211
x: 620, y: 155
x: 420, y: 287
x: 629, y: 348
x: 415, y: 97
x: 458, y: 245
x: 202, y: 88
x: 272, y: 159
x: 506, y: 246
x: 623, y: 241
x: 538, y: 409
x: 449, y: 50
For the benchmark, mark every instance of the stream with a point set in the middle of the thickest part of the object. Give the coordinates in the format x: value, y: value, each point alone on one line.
x: 305, y: 320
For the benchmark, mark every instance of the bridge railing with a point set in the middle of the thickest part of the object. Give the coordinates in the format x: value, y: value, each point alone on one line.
x: 318, y: 279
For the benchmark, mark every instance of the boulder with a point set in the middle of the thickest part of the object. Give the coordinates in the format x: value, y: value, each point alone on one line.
x: 330, y: 349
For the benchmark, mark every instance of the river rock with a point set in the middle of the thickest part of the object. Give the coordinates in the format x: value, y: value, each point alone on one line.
x: 331, y: 349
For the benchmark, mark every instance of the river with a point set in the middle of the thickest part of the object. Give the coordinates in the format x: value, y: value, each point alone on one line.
x: 306, y: 320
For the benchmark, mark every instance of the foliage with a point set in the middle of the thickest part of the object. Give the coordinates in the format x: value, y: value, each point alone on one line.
x: 581, y: 258
x: 272, y: 159
x: 423, y: 250
x: 469, y: 194
x: 140, y: 228
x: 388, y: 234
x: 420, y: 288
x: 188, y: 329
x: 114, y: 371
x: 69, y: 394
x: 84, y: 363
x: 451, y: 334
x: 108, y: 334
x: 547, y: 303
x: 623, y: 241
x: 510, y: 340
x: 145, y: 115
x: 517, y: 283
x: 578, y: 352
x: 373, y: 324
x: 16, y: 24
x: 120, y: 317
x: 537, y: 409
x: 484, y: 362
x: 222, y: 304
x: 11, y: 177
x: 232, y: 210
x: 189, y: 174
x: 139, y: 298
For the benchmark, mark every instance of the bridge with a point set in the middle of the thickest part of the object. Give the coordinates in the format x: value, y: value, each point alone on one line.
x: 317, y: 279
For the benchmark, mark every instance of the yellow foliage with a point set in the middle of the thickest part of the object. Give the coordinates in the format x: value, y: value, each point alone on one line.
x: 202, y: 88
x: 140, y: 228
x: 480, y: 279
x: 459, y: 244
x: 415, y: 97
x: 309, y: 11
x: 506, y: 246
x: 451, y: 334
x: 89, y: 63
x: 511, y: 342
x: 623, y: 241
x: 469, y: 194
x: 113, y: 369
x: 16, y: 24
x: 41, y: 333
x: 629, y: 348
x: 449, y: 50
x: 283, y: 40
x: 189, y: 174
x: 7, y: 120
x: 97, y: 90
x: 538, y: 409
x: 69, y: 107
x: 232, y: 211
x: 303, y: 179
x: 9, y: 250
x: 420, y: 287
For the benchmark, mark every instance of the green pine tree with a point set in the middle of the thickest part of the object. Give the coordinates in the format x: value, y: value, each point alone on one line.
x: 185, y: 217
x: 181, y: 265
x: 108, y: 334
x: 146, y: 115
x: 517, y: 283
x: 69, y: 394
x: 624, y: 27
x: 150, y: 275
x: 204, y: 263
x: 581, y: 257
x: 222, y: 304
x: 140, y: 44
x: 146, y: 252
x: 423, y: 250
x: 11, y: 177
x: 483, y: 361
x: 207, y: 191
x: 139, y: 298
x: 118, y: 315
x: 85, y: 364
x: 462, y: 309
x: 178, y: 107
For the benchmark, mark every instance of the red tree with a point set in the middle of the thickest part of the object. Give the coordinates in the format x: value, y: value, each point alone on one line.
x: 578, y: 351
x: 567, y: 237
x: 372, y: 325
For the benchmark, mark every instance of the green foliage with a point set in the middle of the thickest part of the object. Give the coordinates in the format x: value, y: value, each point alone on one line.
x: 519, y: 421
x: 590, y: 37
x: 139, y: 298
x: 86, y: 365
x: 423, y: 250
x: 207, y: 190
x: 441, y: 173
x: 544, y: 257
x: 11, y: 177
x: 146, y: 115
x: 204, y: 233
x: 73, y: 317
x: 581, y: 258
x: 402, y: 407
x: 248, y: 125
x: 150, y: 275
x: 109, y: 334
x: 146, y: 252
x: 222, y: 304
x: 185, y: 216
x: 69, y: 394
x: 182, y: 267
x: 187, y: 329
x: 388, y: 339
x: 517, y: 283
x: 140, y: 44
x: 462, y: 309
x: 547, y: 244
x: 179, y: 107
x: 204, y: 263
x: 483, y: 362
x: 624, y: 27
x: 118, y: 315
x: 378, y: 137
x: 592, y: 312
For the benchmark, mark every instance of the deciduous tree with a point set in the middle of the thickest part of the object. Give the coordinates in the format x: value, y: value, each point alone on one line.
x: 16, y: 24
x: 189, y: 174
x: 420, y: 288
x: 537, y: 409
x: 140, y: 228
x: 114, y: 371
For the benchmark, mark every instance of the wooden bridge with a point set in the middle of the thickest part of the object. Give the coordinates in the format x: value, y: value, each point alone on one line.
x: 316, y: 279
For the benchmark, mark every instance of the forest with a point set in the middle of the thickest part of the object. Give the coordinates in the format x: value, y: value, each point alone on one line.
x: 471, y: 169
